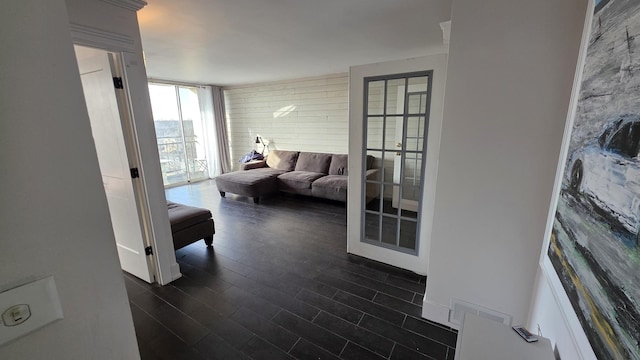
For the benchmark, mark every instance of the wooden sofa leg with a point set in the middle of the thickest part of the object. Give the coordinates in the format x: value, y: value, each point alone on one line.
x: 222, y: 193
x: 208, y: 240
x: 256, y: 200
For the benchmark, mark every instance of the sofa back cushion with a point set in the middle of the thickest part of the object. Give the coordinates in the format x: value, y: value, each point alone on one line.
x: 313, y: 162
x: 339, y: 165
x: 282, y: 159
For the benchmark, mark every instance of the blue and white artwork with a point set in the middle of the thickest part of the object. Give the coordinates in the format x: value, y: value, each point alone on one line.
x: 594, y: 245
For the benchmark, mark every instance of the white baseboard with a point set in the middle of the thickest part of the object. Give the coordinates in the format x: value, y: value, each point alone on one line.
x: 437, y: 313
x: 175, y: 272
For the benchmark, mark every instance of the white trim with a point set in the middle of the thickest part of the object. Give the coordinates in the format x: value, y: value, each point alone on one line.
x: 93, y: 37
x: 164, y: 262
x: 175, y: 272
x: 579, y: 339
x: 133, y: 5
x: 446, y: 32
x: 164, y: 254
x: 436, y: 312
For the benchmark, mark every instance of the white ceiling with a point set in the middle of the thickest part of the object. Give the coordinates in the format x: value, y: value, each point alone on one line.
x: 233, y: 42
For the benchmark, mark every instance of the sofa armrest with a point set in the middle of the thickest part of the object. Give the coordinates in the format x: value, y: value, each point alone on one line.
x: 373, y: 174
x: 255, y: 164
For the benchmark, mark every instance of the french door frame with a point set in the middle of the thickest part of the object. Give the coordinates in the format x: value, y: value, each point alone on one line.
x: 418, y: 263
x: 403, y: 151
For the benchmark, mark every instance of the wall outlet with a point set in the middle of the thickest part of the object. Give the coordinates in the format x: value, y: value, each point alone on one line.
x: 27, y: 308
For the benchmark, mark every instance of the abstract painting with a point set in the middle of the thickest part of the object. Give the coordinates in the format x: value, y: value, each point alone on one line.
x: 594, y: 246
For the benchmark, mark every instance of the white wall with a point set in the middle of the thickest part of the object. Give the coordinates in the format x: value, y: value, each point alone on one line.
x: 54, y: 217
x: 100, y: 24
x: 510, y: 72
x: 309, y: 114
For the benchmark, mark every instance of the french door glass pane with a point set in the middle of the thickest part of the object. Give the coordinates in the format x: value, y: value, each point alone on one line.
x: 411, y: 183
x: 395, y: 96
x: 389, y: 230
x: 372, y: 226
x: 375, y: 100
x: 374, y: 132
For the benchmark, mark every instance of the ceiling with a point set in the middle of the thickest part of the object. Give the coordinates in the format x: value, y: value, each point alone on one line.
x: 234, y: 42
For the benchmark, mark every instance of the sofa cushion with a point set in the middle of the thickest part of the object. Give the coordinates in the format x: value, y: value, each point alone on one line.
x: 339, y: 165
x: 282, y: 159
x: 313, y: 162
x: 332, y: 187
x: 296, y: 180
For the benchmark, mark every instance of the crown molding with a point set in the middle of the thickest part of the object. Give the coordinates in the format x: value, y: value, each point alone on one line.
x: 133, y: 5
x: 94, y: 37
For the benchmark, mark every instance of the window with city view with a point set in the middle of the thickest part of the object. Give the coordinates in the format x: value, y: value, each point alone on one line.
x: 180, y: 133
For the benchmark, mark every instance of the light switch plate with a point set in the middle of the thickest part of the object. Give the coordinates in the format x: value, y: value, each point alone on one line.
x: 42, y: 301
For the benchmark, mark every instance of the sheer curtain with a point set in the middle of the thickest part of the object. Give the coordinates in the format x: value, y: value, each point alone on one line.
x: 224, y: 152
x: 216, y: 143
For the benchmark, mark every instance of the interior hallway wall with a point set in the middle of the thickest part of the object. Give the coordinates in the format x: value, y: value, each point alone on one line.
x: 509, y: 79
x: 54, y: 216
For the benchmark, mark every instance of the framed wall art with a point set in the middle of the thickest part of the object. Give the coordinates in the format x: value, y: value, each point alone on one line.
x: 593, y: 244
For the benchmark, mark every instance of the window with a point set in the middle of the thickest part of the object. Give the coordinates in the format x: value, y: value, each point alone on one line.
x: 625, y: 142
x: 180, y: 133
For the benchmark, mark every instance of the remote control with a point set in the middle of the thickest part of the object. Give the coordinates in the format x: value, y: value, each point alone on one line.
x: 526, y: 335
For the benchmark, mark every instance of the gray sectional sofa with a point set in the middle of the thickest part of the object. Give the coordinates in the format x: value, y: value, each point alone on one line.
x: 305, y: 173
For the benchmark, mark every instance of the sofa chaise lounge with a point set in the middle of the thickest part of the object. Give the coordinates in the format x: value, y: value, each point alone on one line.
x: 304, y: 173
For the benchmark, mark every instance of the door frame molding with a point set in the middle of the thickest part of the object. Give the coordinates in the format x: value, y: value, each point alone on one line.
x: 165, y: 267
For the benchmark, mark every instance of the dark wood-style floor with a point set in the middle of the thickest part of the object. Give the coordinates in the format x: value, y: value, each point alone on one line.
x: 278, y: 284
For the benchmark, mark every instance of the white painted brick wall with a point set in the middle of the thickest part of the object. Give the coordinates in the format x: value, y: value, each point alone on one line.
x: 309, y: 114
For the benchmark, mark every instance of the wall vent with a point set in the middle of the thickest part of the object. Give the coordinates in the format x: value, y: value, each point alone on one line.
x: 459, y: 307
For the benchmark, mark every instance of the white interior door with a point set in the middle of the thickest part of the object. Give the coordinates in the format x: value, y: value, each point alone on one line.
x: 395, y: 123
x: 106, y: 127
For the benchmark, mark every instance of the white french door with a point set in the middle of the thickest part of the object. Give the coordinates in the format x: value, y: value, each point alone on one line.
x: 395, y: 122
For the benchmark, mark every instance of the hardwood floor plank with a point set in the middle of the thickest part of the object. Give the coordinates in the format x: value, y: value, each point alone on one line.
x: 279, y: 284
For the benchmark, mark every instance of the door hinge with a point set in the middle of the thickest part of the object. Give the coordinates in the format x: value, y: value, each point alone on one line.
x: 148, y: 250
x: 134, y: 173
x: 117, y: 82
